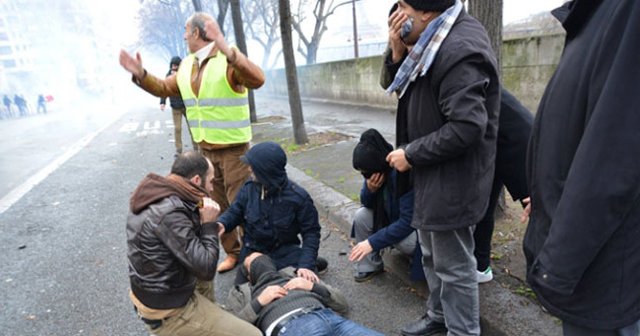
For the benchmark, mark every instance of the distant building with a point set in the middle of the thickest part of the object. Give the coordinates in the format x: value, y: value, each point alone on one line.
x: 15, y: 50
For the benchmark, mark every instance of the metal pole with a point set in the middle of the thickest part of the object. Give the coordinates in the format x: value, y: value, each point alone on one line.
x: 355, y: 30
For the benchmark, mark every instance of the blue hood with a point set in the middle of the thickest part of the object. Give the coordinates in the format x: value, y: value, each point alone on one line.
x: 267, y: 160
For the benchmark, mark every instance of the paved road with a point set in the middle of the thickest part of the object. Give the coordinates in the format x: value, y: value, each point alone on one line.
x: 64, y: 269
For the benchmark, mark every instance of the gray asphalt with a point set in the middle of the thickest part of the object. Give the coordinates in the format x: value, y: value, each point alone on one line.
x: 63, y: 269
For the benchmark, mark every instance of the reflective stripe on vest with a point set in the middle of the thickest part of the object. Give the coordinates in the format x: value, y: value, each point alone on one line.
x: 220, y: 124
x: 216, y: 102
x: 218, y: 115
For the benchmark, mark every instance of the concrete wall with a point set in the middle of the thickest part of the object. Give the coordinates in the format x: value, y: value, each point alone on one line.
x: 527, y: 64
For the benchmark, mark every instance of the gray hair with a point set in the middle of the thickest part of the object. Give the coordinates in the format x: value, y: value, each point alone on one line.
x: 197, y: 20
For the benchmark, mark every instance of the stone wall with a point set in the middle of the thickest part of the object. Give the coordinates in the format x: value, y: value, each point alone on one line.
x: 527, y: 65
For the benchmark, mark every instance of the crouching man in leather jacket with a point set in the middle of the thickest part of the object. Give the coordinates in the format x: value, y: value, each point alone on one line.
x: 172, y: 241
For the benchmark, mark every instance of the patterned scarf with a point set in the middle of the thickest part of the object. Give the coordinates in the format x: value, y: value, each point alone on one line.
x: 424, y: 52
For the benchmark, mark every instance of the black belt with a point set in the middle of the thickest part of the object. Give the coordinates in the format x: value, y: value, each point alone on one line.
x: 276, y: 330
x: 153, y: 324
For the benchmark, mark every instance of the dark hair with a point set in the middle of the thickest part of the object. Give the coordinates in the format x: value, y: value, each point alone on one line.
x: 175, y: 60
x: 190, y: 164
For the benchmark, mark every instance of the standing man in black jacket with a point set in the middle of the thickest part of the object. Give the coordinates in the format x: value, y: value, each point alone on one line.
x: 583, y: 240
x: 172, y: 241
x: 177, y: 110
x: 452, y: 123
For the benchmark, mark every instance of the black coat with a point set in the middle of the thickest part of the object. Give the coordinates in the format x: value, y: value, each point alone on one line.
x: 583, y: 240
x: 514, y: 129
x: 452, y: 123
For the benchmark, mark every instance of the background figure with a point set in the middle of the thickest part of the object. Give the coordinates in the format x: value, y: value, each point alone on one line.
x: 7, y: 104
x: 21, y: 104
x: 582, y: 244
x: 384, y: 220
x: 42, y: 104
x: 514, y: 129
x: 177, y: 110
x: 220, y: 121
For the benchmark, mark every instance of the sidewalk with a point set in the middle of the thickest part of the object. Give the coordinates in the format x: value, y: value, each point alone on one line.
x: 325, y: 172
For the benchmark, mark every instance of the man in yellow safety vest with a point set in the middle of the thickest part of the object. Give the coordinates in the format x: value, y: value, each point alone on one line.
x: 213, y: 82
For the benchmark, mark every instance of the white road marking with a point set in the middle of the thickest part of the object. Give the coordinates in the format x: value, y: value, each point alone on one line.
x: 17, y: 193
x: 129, y: 127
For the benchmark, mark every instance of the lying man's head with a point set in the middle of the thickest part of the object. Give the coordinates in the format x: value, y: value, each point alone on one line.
x: 258, y: 264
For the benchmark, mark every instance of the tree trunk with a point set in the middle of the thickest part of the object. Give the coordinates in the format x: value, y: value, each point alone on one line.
x: 223, y: 5
x: 489, y: 13
x: 197, y: 5
x: 238, y: 28
x: 297, y: 119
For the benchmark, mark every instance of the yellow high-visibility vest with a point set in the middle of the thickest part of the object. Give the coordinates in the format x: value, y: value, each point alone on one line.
x: 218, y: 115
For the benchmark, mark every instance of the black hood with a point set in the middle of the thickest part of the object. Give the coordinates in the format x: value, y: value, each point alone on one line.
x: 268, y: 161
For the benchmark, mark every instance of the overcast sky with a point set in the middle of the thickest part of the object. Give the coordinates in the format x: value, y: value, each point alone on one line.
x: 372, y: 16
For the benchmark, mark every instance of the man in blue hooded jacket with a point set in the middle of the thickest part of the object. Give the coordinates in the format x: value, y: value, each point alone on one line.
x: 275, y: 210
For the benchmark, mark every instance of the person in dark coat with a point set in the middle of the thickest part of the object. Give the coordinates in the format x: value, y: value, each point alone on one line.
x: 177, y: 110
x: 42, y: 104
x: 582, y: 244
x: 21, y: 104
x: 514, y: 129
x: 452, y: 125
x: 275, y: 211
x: 7, y: 103
x: 384, y: 220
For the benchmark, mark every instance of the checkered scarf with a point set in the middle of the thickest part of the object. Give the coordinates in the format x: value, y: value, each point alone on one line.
x: 424, y: 52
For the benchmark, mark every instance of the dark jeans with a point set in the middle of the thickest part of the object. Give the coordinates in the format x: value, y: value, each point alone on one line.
x: 325, y: 322
x: 484, y: 229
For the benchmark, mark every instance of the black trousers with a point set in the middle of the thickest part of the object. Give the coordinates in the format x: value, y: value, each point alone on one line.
x: 484, y: 229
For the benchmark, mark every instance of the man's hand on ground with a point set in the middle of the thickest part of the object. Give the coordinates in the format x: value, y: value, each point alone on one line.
x: 361, y: 250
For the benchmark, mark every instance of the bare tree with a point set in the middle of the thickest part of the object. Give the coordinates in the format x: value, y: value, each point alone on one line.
x: 489, y: 13
x: 322, y: 10
x: 223, y: 6
x: 197, y: 5
x: 162, y: 25
x: 262, y: 23
x: 236, y: 18
x: 297, y: 119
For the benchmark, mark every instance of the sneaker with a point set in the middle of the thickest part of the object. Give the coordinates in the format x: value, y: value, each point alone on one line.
x: 364, y: 276
x: 485, y: 276
x: 321, y: 265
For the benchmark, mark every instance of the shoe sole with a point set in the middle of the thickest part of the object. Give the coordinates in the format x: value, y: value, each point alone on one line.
x: 368, y: 277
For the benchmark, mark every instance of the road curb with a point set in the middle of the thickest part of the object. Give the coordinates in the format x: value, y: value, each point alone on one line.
x: 503, y: 313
